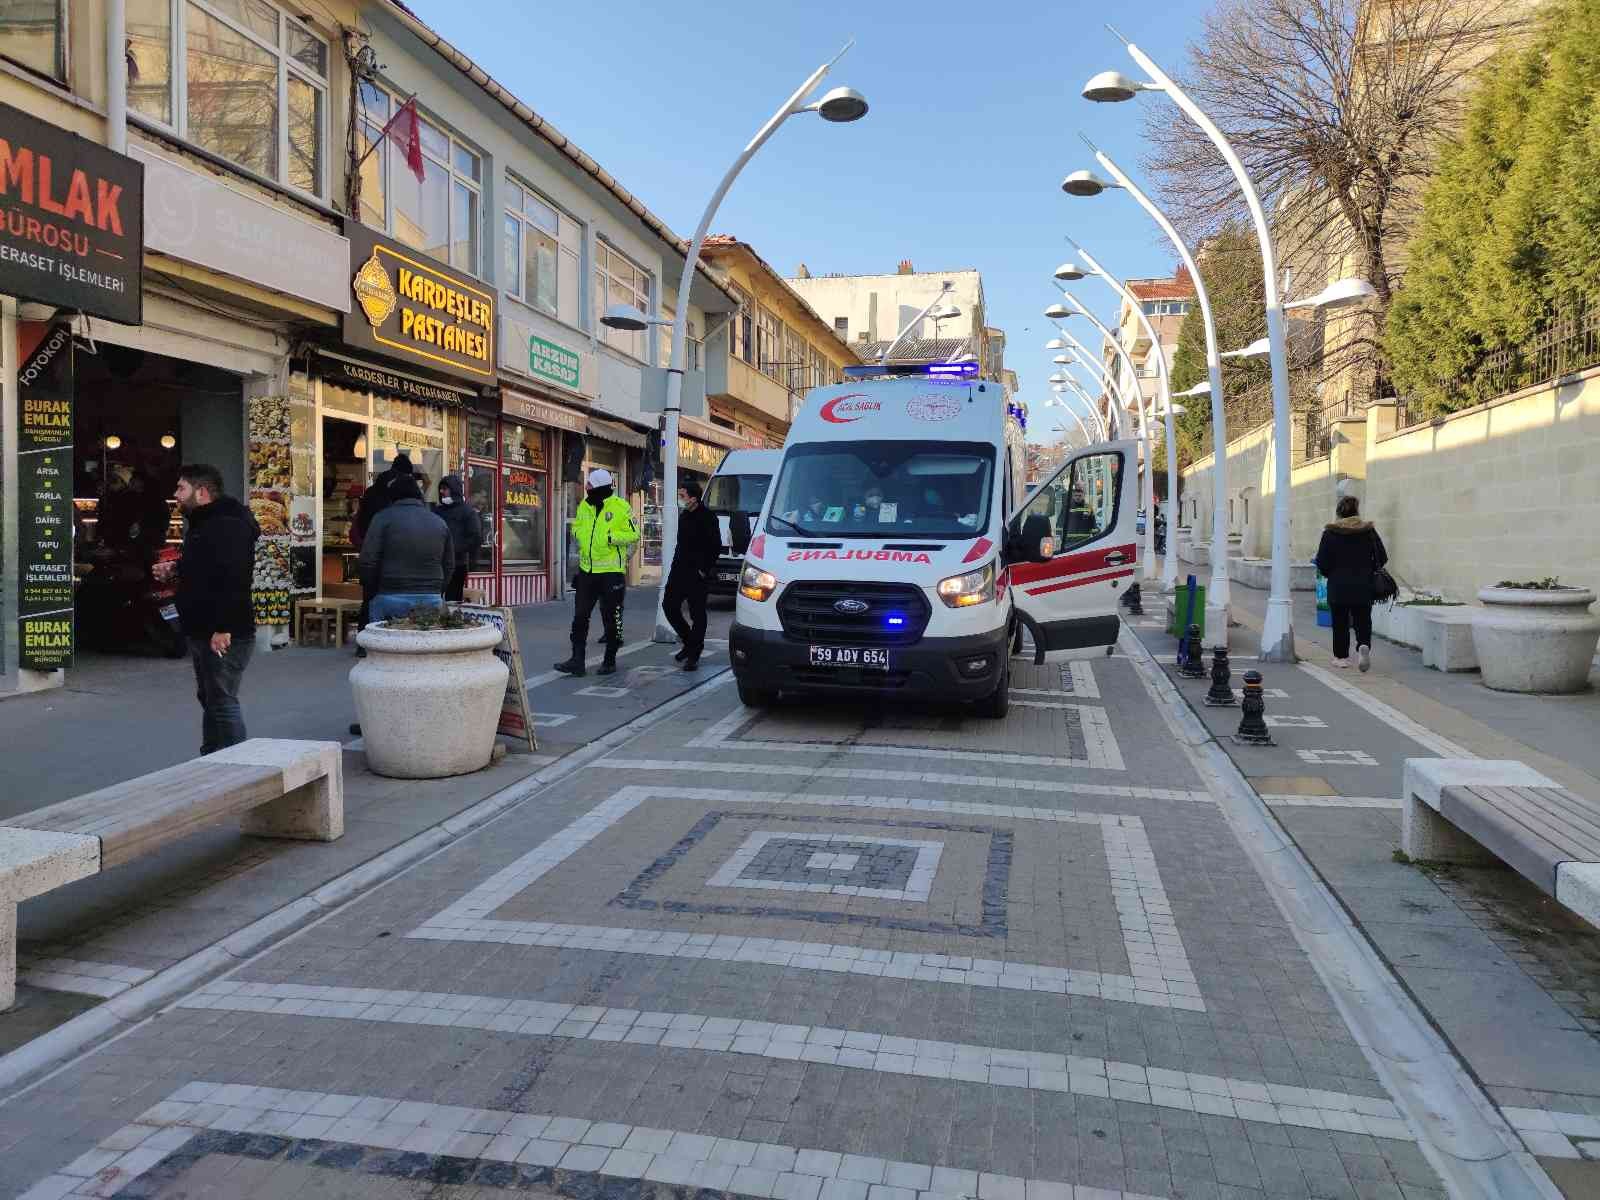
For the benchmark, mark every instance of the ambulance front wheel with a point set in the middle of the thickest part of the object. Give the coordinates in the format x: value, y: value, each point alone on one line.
x: 754, y: 697
x: 998, y: 703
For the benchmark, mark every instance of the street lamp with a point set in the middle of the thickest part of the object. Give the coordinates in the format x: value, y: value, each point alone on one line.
x: 1218, y: 590
x: 1094, y: 415
x: 1097, y: 370
x: 1277, y: 634
x: 1136, y: 402
x: 839, y: 105
x: 1169, y: 567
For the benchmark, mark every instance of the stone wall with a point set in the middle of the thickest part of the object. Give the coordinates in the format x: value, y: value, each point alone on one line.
x: 1507, y: 490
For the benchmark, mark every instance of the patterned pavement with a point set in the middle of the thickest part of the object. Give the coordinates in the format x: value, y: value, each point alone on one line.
x: 823, y: 951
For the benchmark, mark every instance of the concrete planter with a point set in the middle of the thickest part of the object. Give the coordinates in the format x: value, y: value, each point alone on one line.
x: 428, y: 700
x: 1535, y: 640
x: 1257, y: 573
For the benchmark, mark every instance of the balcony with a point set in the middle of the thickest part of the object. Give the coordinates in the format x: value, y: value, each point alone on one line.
x: 729, y: 378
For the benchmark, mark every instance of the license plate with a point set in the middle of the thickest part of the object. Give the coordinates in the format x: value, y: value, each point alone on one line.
x: 726, y: 576
x: 849, y: 656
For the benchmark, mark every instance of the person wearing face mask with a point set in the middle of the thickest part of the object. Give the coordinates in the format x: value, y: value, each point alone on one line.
x: 466, y: 532
x: 693, y: 560
x: 604, y: 531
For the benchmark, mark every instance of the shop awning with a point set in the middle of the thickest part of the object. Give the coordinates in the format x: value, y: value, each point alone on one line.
x: 622, y: 435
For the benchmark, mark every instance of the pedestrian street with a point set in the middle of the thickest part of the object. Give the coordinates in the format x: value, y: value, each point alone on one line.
x: 820, y: 951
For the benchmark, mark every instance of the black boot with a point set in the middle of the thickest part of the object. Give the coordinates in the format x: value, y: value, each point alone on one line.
x: 609, y: 666
x: 573, y: 665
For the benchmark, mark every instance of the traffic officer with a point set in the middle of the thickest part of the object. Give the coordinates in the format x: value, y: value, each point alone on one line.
x: 604, y: 531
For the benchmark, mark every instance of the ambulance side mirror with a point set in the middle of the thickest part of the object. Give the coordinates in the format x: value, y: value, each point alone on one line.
x: 1034, y: 543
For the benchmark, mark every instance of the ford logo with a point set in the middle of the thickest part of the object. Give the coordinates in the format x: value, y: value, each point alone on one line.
x: 850, y: 607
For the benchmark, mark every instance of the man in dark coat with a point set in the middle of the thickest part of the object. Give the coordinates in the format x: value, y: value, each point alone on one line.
x: 406, y: 556
x: 466, y: 532
x: 693, y: 561
x: 213, y: 598
x: 1349, y: 553
x: 373, y: 501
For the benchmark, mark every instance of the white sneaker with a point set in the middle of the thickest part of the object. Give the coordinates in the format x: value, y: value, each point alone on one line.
x: 1342, y: 663
x: 1364, y: 657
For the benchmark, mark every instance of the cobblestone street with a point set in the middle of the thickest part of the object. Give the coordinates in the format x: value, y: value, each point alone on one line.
x: 807, y: 952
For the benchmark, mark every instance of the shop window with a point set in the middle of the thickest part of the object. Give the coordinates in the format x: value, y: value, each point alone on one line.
x: 543, y: 250
x: 481, y: 491
x: 33, y: 34
x: 522, y: 445
x: 618, y: 280
x: 253, y: 89
x: 440, y: 215
x: 524, y: 499
x: 480, y: 435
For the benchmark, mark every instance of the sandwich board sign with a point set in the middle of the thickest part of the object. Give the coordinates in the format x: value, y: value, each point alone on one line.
x: 515, y: 718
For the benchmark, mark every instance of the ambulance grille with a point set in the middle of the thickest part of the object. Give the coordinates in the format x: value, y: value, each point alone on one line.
x: 809, y: 613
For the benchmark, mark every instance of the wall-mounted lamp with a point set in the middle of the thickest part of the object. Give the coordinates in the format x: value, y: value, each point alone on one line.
x: 168, y: 442
x: 113, y: 442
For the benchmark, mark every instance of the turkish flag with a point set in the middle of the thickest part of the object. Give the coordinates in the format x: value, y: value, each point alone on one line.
x: 405, y: 131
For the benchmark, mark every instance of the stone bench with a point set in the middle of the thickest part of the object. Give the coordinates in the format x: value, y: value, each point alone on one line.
x: 1257, y: 573
x: 1474, y: 811
x: 1447, y: 643
x: 288, y: 789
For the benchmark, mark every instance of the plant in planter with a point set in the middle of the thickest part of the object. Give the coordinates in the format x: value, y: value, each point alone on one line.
x: 1537, y: 636
x: 428, y: 694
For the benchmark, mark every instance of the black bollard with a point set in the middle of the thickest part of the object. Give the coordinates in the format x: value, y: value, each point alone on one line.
x: 1253, y: 729
x: 1191, y: 666
x: 1221, y: 693
x: 1133, y: 600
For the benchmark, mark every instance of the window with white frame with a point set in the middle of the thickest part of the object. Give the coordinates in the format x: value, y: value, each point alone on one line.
x: 438, y: 215
x: 769, y: 342
x: 33, y: 34
x: 619, y: 280
x: 741, y: 330
x: 543, y: 250
x: 240, y: 78
x: 1165, y: 308
x: 794, y: 360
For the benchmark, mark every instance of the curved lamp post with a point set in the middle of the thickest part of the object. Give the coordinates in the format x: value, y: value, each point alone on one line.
x: 1086, y: 183
x: 839, y: 105
x: 1058, y: 402
x: 916, y: 322
x: 1080, y: 352
x: 1137, y: 405
x: 1169, y: 566
x: 1097, y: 373
x: 1078, y: 390
x: 1277, y: 634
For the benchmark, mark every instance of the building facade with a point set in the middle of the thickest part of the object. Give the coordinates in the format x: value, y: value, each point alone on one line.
x: 238, y: 268
x: 1164, y: 301
x: 870, y: 311
x: 765, y: 359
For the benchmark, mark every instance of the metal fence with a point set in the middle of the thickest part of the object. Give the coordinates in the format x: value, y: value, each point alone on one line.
x: 1568, y: 344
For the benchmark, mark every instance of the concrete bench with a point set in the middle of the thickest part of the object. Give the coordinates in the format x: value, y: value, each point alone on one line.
x: 287, y: 789
x: 1475, y: 811
x: 1447, y: 643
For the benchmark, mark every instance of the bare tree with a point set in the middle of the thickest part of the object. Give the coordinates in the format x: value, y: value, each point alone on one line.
x: 1335, y: 108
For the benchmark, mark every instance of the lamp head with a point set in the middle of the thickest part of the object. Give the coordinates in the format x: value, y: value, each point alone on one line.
x: 1061, y: 358
x: 1058, y: 377
x: 1085, y: 183
x: 625, y: 316
x: 1110, y: 87
x: 1203, y: 388
x: 945, y: 313
x: 1055, y: 344
x: 1344, y: 293
x: 1057, y: 311
x: 1069, y: 271
x: 841, y: 105
x: 1260, y: 348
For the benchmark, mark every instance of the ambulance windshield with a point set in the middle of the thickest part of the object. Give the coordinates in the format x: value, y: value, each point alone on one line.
x: 884, y: 489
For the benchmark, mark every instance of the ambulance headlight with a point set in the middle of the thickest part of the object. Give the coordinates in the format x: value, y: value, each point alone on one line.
x: 963, y: 591
x: 756, y: 584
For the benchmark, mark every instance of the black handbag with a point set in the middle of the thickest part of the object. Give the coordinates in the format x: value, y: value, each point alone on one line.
x: 1383, y: 584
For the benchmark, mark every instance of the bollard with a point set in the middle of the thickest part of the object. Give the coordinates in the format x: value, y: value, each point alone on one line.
x: 1134, y: 601
x: 1221, y: 693
x: 1252, y: 725
x: 1190, y: 666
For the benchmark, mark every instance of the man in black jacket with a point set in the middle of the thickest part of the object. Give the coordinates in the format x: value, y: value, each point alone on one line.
x: 466, y: 532
x: 693, y: 561
x: 214, y: 604
x: 373, y: 501
x: 406, y: 557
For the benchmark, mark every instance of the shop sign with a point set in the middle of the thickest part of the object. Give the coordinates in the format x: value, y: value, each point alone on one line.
x: 192, y: 215
x: 365, y: 377
x: 526, y: 408
x: 44, y: 496
x: 547, y: 360
x: 71, y: 221
x: 699, y: 455
x: 412, y: 308
x: 521, y: 487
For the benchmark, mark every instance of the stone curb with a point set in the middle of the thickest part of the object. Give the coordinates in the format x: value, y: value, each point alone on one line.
x: 1459, y: 1130
x: 119, y: 1015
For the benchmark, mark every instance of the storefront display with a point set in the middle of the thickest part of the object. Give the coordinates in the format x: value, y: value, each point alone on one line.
x: 44, y: 493
x: 281, y: 481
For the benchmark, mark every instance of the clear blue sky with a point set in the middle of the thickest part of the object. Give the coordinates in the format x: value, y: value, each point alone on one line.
x: 974, y: 121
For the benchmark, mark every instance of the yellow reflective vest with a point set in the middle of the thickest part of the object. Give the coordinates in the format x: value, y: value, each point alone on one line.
x: 604, y: 536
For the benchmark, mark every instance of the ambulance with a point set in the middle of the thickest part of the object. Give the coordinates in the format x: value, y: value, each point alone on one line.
x: 900, y: 553
x: 735, y: 494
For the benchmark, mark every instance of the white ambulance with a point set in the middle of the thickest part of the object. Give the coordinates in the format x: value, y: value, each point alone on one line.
x: 898, y: 551
x: 735, y: 494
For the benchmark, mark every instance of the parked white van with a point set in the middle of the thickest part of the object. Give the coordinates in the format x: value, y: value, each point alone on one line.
x: 735, y: 493
x: 897, y: 552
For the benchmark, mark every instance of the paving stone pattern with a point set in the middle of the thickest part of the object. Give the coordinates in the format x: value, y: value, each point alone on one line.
x: 1095, y: 997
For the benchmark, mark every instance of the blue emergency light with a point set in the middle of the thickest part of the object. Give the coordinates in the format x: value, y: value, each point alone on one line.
x: 940, y: 370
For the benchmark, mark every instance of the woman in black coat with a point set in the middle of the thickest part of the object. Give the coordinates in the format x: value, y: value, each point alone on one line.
x: 1350, y: 552
x: 466, y: 532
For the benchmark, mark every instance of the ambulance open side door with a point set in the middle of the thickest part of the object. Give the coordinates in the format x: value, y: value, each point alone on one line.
x: 1089, y: 504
